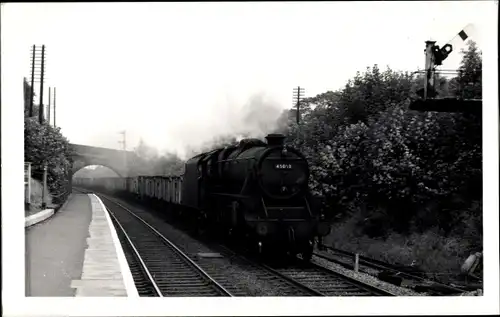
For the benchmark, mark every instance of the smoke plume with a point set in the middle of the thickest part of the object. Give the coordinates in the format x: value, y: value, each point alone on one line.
x: 256, y: 118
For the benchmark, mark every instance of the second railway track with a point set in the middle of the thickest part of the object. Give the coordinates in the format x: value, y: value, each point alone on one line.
x: 375, y: 267
x: 329, y: 283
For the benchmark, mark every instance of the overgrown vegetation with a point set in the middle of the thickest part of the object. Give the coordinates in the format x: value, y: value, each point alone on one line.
x: 395, y: 179
x: 46, y: 144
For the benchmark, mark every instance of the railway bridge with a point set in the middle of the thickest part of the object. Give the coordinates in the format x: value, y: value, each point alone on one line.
x: 117, y: 160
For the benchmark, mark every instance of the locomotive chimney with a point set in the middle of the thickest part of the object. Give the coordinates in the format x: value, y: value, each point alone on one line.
x: 275, y: 139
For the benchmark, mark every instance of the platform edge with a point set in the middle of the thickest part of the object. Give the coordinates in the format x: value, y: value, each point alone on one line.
x: 126, y: 274
x: 38, y: 217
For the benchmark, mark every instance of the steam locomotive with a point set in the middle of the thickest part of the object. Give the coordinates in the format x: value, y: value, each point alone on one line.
x: 254, y: 192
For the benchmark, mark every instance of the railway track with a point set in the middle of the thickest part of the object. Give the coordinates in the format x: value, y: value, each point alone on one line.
x: 346, y: 259
x: 144, y: 282
x: 166, y: 270
x: 329, y: 283
x: 376, y: 268
x: 314, y: 278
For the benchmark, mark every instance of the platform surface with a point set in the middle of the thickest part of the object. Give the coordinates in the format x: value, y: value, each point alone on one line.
x: 76, y: 252
x: 55, y: 249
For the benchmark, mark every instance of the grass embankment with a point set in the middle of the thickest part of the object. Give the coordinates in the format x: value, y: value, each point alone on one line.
x: 430, y: 250
x: 36, y: 198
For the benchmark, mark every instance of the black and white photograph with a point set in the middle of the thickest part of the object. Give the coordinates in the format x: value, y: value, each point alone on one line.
x: 250, y: 158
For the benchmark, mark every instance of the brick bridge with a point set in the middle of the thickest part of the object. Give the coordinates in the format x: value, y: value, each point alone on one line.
x: 117, y: 160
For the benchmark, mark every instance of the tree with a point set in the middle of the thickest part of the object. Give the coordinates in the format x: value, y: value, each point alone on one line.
x: 27, y: 97
x: 46, y: 144
x: 468, y: 84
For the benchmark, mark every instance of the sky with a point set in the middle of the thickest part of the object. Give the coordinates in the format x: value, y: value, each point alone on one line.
x: 179, y: 74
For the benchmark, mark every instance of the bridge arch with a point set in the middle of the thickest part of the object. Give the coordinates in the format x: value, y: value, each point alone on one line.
x: 118, y: 161
x: 78, y: 166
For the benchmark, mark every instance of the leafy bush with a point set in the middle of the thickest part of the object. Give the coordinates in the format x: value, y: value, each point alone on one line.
x: 430, y: 250
x: 44, y: 143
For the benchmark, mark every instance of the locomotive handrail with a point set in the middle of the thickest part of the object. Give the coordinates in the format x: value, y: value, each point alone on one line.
x: 231, y: 195
x: 264, y: 205
x: 245, y: 184
x: 308, y: 208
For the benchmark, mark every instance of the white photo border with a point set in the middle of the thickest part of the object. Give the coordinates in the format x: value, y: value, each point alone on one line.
x: 13, y: 248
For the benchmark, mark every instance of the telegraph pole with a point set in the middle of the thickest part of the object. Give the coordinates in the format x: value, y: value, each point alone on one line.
x: 37, y: 76
x: 124, y: 142
x: 298, y: 94
x: 32, y: 81
x: 48, y: 108
x: 40, y: 107
x: 54, y: 107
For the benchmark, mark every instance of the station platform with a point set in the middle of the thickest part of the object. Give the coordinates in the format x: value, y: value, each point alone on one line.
x: 76, y: 252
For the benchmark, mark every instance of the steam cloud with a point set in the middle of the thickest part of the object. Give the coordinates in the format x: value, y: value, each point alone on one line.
x: 258, y: 117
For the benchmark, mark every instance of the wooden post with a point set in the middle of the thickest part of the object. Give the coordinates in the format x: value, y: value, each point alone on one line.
x: 356, y: 262
x: 429, y: 67
x: 44, y: 188
x: 27, y: 182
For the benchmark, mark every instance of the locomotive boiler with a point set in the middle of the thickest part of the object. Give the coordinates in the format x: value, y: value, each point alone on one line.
x: 257, y: 192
